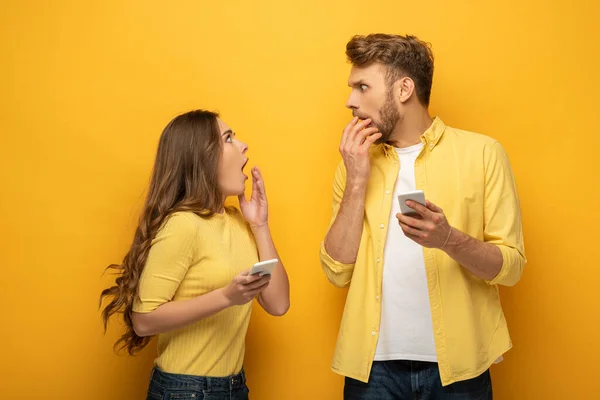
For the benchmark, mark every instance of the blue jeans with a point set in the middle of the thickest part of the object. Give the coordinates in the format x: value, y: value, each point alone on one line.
x: 166, y: 386
x: 415, y: 380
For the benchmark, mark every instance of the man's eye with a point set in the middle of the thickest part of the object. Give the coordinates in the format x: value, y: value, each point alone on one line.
x: 363, y: 88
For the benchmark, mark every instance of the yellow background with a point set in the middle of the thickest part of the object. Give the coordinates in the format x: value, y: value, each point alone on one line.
x: 86, y: 88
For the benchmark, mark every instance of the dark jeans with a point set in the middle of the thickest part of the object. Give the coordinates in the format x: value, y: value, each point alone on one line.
x: 166, y: 386
x: 415, y: 380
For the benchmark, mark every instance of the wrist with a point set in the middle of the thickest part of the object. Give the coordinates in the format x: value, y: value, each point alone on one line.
x: 259, y: 227
x: 447, y: 238
x: 453, y: 241
x: 223, y: 299
x: 356, y: 185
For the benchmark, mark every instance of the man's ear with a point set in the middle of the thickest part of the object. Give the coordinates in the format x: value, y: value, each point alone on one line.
x: 404, y: 89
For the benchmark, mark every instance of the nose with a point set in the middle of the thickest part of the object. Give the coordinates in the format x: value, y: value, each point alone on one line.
x: 242, y: 146
x: 351, y: 103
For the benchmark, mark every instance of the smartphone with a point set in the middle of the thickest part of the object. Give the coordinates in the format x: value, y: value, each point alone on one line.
x: 417, y: 196
x: 264, y: 267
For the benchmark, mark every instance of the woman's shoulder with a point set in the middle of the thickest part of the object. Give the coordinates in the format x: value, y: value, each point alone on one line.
x: 236, y: 216
x: 182, y: 221
x: 191, y: 221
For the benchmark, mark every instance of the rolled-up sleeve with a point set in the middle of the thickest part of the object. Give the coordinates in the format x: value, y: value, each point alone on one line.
x: 338, y: 273
x: 502, y: 215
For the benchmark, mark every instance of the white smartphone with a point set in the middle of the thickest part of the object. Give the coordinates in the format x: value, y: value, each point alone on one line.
x: 417, y: 196
x: 264, y: 267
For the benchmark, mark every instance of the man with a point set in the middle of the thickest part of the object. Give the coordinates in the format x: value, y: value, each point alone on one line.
x: 423, y: 318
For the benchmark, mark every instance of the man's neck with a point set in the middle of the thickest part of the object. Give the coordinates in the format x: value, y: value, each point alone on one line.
x: 409, y: 130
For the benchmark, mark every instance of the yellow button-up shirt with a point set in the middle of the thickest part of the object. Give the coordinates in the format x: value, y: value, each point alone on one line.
x: 469, y: 176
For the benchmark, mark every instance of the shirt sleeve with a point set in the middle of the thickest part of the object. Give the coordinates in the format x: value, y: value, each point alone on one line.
x: 502, y: 215
x: 169, y: 259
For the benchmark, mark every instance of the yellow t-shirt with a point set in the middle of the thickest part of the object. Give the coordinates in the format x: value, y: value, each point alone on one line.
x: 189, y: 257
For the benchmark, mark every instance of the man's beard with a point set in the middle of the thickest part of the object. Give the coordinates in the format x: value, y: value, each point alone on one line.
x: 389, y: 118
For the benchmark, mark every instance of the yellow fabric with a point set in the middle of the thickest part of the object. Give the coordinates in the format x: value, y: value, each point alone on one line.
x: 192, y: 256
x: 469, y: 176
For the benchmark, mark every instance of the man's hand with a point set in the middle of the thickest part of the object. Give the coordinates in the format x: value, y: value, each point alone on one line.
x: 354, y: 148
x: 429, y: 227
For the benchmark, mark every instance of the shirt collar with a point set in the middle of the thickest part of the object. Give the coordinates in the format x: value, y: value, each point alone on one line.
x: 430, y: 137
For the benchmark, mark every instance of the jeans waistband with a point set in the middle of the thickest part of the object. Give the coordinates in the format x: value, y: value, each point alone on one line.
x: 169, y: 380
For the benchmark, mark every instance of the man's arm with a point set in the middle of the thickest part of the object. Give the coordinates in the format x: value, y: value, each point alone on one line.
x: 343, y: 239
x: 341, y: 244
x: 500, y: 257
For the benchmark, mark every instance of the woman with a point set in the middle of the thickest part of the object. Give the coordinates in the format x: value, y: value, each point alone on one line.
x: 186, y: 276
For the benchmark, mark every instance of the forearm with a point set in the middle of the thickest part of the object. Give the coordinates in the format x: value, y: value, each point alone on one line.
x: 484, y: 260
x: 275, y: 299
x: 343, y: 239
x: 178, y: 314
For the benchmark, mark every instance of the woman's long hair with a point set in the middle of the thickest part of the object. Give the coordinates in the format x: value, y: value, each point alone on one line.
x: 184, y: 178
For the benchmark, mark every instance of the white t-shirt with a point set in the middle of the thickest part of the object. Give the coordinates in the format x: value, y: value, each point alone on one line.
x: 406, y: 330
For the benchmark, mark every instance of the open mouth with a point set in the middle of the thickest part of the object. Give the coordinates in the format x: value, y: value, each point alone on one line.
x: 243, y: 166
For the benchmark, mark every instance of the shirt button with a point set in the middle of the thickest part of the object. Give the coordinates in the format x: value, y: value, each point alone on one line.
x: 377, y: 298
x: 378, y: 259
x: 382, y: 226
x: 373, y: 333
x: 387, y: 192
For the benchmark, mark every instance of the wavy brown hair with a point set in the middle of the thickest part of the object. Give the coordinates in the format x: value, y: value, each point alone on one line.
x: 402, y: 55
x: 184, y: 178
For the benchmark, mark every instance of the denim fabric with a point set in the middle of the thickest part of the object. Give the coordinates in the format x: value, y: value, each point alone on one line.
x: 415, y: 380
x: 166, y: 386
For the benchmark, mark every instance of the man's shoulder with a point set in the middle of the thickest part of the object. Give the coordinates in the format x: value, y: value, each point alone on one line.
x: 469, y: 138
